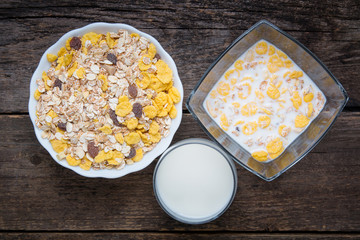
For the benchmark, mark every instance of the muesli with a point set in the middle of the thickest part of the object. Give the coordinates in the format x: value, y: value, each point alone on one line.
x: 106, y: 100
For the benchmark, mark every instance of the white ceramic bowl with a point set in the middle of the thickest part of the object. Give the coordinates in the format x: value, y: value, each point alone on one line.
x: 44, y: 65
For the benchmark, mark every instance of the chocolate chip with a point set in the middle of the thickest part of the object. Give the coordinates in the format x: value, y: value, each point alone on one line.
x: 113, y: 117
x: 112, y: 58
x: 132, y: 153
x: 137, y: 110
x: 132, y: 90
x: 237, y: 129
x: 75, y: 43
x: 92, y: 149
x: 62, y: 126
x: 58, y: 84
x: 157, y: 56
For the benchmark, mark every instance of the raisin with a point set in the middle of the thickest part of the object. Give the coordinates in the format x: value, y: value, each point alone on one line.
x: 132, y: 91
x: 58, y: 84
x: 112, y: 58
x: 92, y: 149
x: 137, y: 110
x: 132, y: 153
x: 62, y: 126
x: 157, y: 56
x: 237, y: 129
x: 75, y: 43
x: 113, y: 117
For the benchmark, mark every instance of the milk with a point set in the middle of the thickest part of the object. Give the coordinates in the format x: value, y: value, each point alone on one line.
x: 194, y: 181
x: 282, y: 110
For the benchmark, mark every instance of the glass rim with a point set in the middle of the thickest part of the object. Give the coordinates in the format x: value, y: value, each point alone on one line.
x: 238, y: 39
x: 179, y: 217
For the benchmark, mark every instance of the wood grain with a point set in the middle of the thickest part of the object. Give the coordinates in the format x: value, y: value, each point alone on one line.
x: 38, y: 194
x: 173, y: 236
x: 194, y: 34
x: 318, y: 198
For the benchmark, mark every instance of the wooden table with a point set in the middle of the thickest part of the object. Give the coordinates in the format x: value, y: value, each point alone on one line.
x: 39, y: 199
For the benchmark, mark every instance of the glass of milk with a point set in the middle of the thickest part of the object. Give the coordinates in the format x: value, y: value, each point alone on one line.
x: 195, y: 181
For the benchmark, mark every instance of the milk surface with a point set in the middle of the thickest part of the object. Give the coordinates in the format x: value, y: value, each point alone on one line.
x: 195, y: 181
x: 248, y: 84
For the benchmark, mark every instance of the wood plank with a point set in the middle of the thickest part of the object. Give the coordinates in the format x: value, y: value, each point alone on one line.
x: 320, y: 193
x: 173, y: 236
x: 199, y: 32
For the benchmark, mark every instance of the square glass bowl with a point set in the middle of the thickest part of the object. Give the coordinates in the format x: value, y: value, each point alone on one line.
x: 336, y: 98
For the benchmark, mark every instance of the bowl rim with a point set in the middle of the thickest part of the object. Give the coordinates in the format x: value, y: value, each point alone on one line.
x: 256, y: 25
x: 150, y: 156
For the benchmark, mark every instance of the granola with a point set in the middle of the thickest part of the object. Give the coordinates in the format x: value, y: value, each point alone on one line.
x: 106, y: 100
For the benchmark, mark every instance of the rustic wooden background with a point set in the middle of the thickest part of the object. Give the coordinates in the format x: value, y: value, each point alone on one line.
x: 319, y: 198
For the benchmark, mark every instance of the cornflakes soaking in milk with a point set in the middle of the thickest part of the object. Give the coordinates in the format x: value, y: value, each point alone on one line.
x: 264, y: 101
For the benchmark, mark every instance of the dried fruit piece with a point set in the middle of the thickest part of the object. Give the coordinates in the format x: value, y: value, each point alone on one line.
x: 132, y: 91
x: 137, y: 110
x: 113, y: 117
x: 92, y: 149
x: 61, y: 126
x: 157, y: 56
x: 132, y: 153
x: 58, y: 84
x: 111, y: 57
x: 75, y: 43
